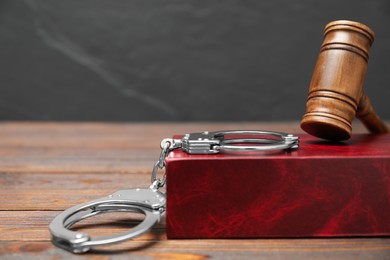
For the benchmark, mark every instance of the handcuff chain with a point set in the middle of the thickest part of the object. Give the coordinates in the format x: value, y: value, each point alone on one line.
x: 160, y: 164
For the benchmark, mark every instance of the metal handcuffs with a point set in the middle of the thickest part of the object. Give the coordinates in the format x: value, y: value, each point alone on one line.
x: 150, y: 201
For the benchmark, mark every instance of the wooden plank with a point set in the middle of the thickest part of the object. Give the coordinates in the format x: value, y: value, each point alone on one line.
x: 73, y: 181
x: 48, y: 191
x: 49, y: 199
x: 220, y: 249
x: 76, y: 159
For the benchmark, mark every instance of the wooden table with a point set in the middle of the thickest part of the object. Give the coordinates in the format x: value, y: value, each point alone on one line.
x: 47, y: 167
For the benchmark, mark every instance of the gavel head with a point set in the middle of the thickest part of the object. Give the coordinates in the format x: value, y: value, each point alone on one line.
x: 336, y: 87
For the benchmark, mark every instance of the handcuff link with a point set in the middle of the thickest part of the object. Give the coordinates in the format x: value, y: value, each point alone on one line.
x: 150, y: 201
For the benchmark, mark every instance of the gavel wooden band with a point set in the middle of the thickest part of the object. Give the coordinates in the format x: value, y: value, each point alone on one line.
x: 336, y: 93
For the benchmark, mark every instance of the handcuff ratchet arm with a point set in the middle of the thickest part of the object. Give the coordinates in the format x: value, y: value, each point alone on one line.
x: 243, y: 141
x: 149, y: 202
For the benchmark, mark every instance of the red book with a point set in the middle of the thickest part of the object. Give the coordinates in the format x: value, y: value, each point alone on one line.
x: 323, y: 189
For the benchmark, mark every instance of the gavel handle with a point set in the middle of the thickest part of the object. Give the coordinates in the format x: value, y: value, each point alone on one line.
x: 369, y: 118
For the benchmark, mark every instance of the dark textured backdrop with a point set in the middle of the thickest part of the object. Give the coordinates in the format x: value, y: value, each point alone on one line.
x: 139, y: 60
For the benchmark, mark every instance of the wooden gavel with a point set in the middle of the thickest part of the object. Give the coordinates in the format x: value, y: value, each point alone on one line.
x: 336, y: 93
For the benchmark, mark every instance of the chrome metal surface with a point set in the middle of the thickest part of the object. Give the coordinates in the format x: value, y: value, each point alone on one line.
x: 216, y: 142
x: 149, y: 202
x: 160, y: 163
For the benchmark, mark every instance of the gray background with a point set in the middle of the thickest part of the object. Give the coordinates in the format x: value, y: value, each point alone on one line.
x: 140, y: 60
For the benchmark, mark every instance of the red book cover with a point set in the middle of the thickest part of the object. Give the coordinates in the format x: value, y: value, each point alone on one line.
x: 322, y: 189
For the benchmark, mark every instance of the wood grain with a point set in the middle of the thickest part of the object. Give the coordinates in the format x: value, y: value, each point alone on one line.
x: 47, y: 167
x: 336, y: 92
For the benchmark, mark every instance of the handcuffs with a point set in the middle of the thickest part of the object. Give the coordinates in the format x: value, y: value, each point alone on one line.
x: 150, y: 201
